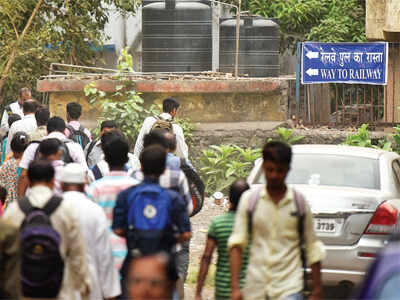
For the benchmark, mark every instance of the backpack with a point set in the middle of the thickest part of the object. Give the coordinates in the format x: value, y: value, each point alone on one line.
x: 42, y: 267
x: 65, y: 157
x: 300, y: 214
x: 196, y: 186
x: 78, y: 136
x: 162, y: 124
x: 149, y: 220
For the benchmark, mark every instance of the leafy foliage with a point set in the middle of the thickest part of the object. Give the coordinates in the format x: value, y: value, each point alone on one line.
x: 286, y: 135
x: 222, y: 165
x: 362, y: 139
x: 314, y: 20
x: 61, y: 31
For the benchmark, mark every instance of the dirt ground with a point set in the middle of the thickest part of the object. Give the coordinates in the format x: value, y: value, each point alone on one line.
x: 200, y: 224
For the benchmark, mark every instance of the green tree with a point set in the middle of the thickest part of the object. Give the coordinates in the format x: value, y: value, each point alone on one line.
x: 35, y: 33
x: 314, y: 20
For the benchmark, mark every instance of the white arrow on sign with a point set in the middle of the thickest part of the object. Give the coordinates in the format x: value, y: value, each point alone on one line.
x: 312, y: 72
x: 312, y: 55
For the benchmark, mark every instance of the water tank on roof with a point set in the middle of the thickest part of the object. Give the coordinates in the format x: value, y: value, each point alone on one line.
x: 176, y: 37
x: 259, y: 46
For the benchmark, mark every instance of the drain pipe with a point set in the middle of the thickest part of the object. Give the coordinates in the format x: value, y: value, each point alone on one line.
x: 237, y: 39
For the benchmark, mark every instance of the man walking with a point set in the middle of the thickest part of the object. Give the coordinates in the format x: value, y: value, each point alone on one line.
x: 27, y: 124
x: 73, y: 151
x: 105, y: 190
x: 75, y: 131
x: 15, y: 107
x: 93, y: 151
x: 64, y: 221
x: 155, y: 207
x: 165, y: 120
x: 42, y: 116
x: 93, y: 223
x: 218, y: 235
x: 271, y: 214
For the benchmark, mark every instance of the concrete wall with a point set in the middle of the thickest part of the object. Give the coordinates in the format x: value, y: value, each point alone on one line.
x: 201, y: 100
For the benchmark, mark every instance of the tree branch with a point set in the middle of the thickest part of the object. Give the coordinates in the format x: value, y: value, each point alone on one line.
x: 5, y: 72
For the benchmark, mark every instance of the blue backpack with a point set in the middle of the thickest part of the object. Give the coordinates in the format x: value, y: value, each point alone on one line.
x: 42, y: 267
x: 149, y: 220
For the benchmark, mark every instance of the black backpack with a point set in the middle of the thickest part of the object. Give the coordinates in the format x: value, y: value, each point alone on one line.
x: 42, y: 267
x: 196, y: 186
x: 78, y: 136
x: 66, y: 156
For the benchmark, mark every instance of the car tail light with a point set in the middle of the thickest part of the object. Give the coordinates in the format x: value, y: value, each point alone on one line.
x: 384, y: 220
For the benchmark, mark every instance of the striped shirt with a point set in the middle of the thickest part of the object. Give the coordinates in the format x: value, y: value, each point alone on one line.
x: 220, y: 230
x: 104, y: 192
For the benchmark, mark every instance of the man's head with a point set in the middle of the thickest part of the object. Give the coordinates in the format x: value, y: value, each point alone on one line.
x: 170, y: 106
x: 73, y: 178
x: 235, y: 192
x: 152, y: 277
x: 50, y: 149
x: 41, y: 172
x: 153, y: 160
x: 74, y: 111
x: 56, y: 124
x: 155, y: 137
x: 30, y: 106
x: 277, y: 158
x: 109, y: 136
x: 115, y: 152
x: 13, y: 118
x: 19, y: 143
x: 107, y: 125
x: 24, y: 94
x: 42, y: 116
x: 171, y: 141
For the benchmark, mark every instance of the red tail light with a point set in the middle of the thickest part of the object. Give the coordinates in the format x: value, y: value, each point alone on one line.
x: 384, y: 220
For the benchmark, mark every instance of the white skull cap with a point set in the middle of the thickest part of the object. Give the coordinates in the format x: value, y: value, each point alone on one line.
x: 218, y: 195
x: 73, y: 173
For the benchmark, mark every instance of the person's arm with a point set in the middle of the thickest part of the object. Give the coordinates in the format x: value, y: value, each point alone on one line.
x: 237, y: 243
x: 182, y: 149
x: 11, y: 133
x: 4, y: 120
x: 119, y: 222
x: 76, y: 254
x: 180, y: 217
x: 315, y: 253
x: 108, y: 274
x: 235, y: 261
x: 204, y: 265
x: 316, y: 278
x: 23, y: 183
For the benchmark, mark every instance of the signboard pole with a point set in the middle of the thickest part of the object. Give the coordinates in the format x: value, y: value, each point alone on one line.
x: 298, y: 75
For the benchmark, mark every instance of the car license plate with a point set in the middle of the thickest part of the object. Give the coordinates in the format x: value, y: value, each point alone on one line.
x: 325, y: 225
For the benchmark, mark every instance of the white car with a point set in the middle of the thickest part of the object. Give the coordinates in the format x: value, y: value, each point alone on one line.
x: 354, y: 195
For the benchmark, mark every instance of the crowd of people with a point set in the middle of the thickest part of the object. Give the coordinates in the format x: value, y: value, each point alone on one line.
x: 85, y: 218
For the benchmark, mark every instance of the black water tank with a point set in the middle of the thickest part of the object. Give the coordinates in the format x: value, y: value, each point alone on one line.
x: 258, y: 50
x: 177, y: 37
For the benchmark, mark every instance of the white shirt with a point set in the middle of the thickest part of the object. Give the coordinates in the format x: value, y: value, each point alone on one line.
x: 181, y: 148
x: 16, y: 109
x: 72, y: 249
x: 95, y: 155
x: 96, y: 233
x: 75, y: 150
x: 133, y: 163
x: 27, y: 124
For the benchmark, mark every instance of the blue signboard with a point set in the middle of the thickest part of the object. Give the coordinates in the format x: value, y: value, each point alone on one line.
x: 364, y: 63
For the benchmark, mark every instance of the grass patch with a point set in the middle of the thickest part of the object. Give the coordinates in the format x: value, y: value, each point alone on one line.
x: 194, y: 271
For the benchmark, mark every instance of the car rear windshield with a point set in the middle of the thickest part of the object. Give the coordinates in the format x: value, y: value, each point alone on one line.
x: 333, y: 170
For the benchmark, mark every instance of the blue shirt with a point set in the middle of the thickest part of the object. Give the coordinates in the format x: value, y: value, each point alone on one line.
x: 174, y: 162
